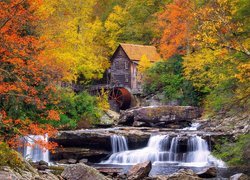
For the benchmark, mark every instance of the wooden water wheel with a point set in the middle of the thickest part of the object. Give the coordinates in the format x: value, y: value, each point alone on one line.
x: 121, y: 97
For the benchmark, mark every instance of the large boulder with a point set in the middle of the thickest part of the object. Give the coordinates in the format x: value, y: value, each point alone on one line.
x: 139, y: 171
x: 239, y: 176
x: 182, y: 174
x: 82, y: 172
x: 210, y: 172
x: 160, y: 116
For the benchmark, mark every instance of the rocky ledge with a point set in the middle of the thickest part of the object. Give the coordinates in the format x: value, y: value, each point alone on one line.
x: 160, y: 116
x: 95, y: 144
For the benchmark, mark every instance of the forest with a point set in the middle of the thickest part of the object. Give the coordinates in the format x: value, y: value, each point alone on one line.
x: 204, y: 45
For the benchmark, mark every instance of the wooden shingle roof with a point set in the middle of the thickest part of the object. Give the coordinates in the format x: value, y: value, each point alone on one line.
x: 135, y: 52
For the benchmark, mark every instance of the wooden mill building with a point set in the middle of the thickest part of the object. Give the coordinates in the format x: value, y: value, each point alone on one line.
x: 123, y: 71
x: 122, y: 76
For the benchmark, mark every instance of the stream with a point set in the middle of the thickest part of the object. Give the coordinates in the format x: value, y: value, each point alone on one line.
x: 168, y: 153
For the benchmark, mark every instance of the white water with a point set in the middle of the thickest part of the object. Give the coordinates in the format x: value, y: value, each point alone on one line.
x: 165, y: 149
x: 193, y: 127
x: 33, y: 151
x: 118, y: 143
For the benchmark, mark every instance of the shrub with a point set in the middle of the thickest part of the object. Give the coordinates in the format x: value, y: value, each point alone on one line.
x: 234, y: 153
x: 171, y: 82
x: 9, y: 157
x: 75, y: 108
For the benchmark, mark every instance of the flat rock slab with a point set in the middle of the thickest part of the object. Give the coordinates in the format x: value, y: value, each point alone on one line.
x: 159, y: 116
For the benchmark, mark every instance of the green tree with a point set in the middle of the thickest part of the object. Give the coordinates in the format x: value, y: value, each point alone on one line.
x: 167, y: 77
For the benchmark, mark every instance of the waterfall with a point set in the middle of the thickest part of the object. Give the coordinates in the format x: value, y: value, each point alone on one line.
x: 165, y: 149
x: 118, y: 143
x: 33, y: 151
x: 193, y: 127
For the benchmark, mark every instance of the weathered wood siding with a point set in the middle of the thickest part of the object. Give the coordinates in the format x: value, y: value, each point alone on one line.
x: 120, y: 70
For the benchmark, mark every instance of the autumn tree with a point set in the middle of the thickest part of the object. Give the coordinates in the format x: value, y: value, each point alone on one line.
x: 114, y: 26
x: 176, y: 23
x: 27, y: 84
x: 216, y: 49
x: 78, y: 38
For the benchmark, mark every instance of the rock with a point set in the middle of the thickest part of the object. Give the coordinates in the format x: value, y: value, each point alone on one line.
x: 109, y: 118
x: 182, y: 174
x: 95, y: 144
x: 48, y: 176
x: 122, y: 176
x: 82, y: 172
x: 42, y: 167
x: 7, y: 173
x: 83, y: 161
x: 43, y: 163
x: 62, y: 154
x: 140, y: 171
x: 72, y: 161
x: 210, y: 172
x: 63, y: 161
x: 159, y: 116
x: 24, y: 174
x: 239, y: 176
x: 112, y: 172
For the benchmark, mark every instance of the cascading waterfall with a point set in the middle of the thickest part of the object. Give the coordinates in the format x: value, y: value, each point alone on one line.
x: 33, y: 151
x: 118, y: 143
x: 165, y: 149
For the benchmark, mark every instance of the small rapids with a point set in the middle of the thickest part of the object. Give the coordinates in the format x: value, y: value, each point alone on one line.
x: 164, y: 149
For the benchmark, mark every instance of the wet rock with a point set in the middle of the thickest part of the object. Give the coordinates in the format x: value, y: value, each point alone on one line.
x: 239, y: 176
x: 182, y: 174
x: 77, y: 154
x: 82, y: 172
x: 112, y: 172
x: 159, y: 116
x: 83, y: 161
x: 72, y: 161
x: 139, y: 171
x: 210, y: 172
x: 43, y: 163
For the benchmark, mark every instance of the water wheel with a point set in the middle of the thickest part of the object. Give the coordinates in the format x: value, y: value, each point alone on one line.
x: 121, y: 97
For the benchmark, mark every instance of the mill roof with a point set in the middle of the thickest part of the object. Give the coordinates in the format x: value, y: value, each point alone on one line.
x: 135, y: 52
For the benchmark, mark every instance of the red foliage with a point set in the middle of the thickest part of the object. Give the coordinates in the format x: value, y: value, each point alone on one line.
x: 24, y: 74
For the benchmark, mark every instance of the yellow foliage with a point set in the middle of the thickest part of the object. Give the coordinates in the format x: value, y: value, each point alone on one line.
x: 79, y: 40
x: 209, y: 67
x: 102, y: 100
x: 113, y: 25
x: 143, y: 65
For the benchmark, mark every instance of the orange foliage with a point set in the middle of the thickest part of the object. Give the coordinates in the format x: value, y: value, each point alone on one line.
x: 175, y: 23
x: 25, y: 75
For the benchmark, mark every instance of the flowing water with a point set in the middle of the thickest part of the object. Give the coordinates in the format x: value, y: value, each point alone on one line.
x: 162, y: 149
x: 32, y: 150
x: 193, y: 127
x: 118, y: 143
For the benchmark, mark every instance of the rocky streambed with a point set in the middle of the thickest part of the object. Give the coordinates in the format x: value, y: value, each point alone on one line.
x: 169, y: 137
x: 95, y: 144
